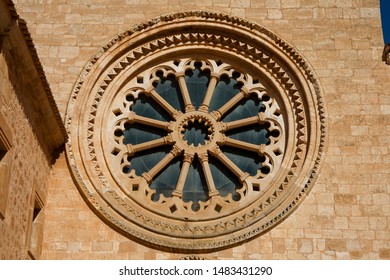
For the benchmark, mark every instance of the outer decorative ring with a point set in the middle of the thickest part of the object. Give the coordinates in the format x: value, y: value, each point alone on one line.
x: 200, y: 35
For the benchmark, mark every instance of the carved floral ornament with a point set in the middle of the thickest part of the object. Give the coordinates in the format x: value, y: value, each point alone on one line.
x: 195, y: 131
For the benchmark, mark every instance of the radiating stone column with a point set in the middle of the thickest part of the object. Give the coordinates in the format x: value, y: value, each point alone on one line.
x: 163, y: 103
x: 148, y: 176
x: 132, y: 149
x: 187, y: 160
x: 229, y: 164
x: 217, y: 114
x: 184, y: 92
x: 204, y: 107
x: 204, y: 160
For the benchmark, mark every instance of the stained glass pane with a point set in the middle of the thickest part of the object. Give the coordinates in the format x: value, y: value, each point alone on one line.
x: 146, y: 160
x: 147, y: 107
x: 136, y: 134
x: 254, y: 134
x: 246, y: 161
x: 195, y: 187
x: 165, y: 182
x: 225, y: 182
x: 168, y: 88
x: 245, y: 109
x: 197, y: 82
x: 225, y: 89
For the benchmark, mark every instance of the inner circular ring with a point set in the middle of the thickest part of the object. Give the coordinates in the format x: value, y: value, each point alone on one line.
x: 197, y: 132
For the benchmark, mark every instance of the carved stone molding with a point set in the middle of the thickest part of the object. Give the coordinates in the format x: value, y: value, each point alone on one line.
x: 195, y: 131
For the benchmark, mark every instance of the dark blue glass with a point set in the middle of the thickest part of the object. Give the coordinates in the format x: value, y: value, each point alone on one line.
x: 225, y: 89
x: 254, y: 134
x: 197, y: 82
x: 147, y: 107
x: 169, y: 89
x: 137, y: 134
x: 246, y: 108
x: 224, y: 180
x: 246, y: 161
x: 146, y: 160
x: 195, y: 187
x: 165, y: 182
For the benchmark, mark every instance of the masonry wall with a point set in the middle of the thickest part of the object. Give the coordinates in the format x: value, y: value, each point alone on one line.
x: 29, y: 166
x: 346, y: 215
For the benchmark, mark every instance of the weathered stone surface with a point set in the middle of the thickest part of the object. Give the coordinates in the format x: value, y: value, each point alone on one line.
x: 350, y: 200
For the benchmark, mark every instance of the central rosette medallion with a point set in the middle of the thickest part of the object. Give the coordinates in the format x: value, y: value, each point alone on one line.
x: 197, y: 132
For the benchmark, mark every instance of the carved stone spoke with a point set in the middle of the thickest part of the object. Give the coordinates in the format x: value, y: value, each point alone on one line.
x: 148, y: 176
x: 219, y: 113
x: 259, y: 149
x: 132, y: 149
x: 187, y: 160
x: 134, y: 118
x: 184, y: 92
x: 260, y: 118
x: 207, y: 173
x: 229, y: 164
x: 163, y: 103
x: 204, y: 107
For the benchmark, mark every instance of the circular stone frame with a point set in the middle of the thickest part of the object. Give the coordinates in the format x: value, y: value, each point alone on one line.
x: 198, y: 35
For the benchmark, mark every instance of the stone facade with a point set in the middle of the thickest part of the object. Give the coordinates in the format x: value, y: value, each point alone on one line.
x: 31, y: 136
x: 347, y: 213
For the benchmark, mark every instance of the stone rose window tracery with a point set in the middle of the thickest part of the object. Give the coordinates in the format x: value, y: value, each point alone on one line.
x: 202, y: 137
x: 195, y: 131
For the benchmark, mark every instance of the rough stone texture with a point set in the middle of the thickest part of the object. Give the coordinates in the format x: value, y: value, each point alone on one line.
x: 347, y: 214
x: 25, y: 104
x: 29, y: 164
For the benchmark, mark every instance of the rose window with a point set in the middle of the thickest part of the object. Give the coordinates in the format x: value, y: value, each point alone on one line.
x: 196, y: 136
x: 195, y: 131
